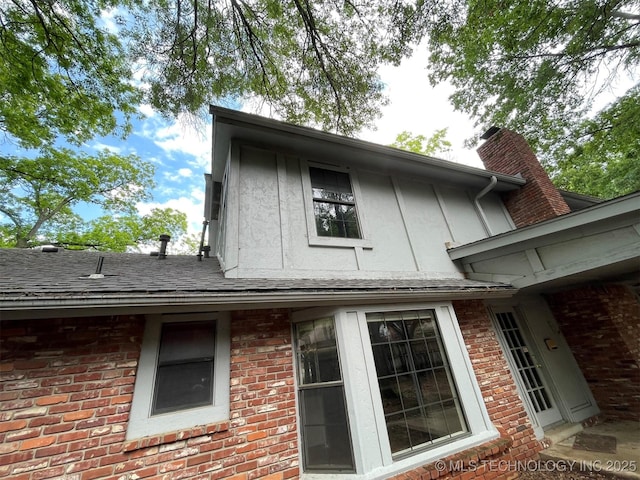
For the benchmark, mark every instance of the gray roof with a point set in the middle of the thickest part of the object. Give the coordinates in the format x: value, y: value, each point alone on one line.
x: 39, y: 279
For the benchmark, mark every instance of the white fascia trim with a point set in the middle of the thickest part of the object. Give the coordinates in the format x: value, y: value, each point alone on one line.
x: 604, y: 211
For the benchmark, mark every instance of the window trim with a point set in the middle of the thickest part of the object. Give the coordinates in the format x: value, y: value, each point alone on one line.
x: 364, y: 402
x: 141, y: 422
x: 312, y: 234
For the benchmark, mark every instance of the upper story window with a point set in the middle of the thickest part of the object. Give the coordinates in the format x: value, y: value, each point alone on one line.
x: 334, y: 204
x: 183, y: 374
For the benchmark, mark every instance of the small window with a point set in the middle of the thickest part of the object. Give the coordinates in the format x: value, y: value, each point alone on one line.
x: 326, y: 441
x: 419, y: 397
x: 183, y: 374
x: 334, y: 204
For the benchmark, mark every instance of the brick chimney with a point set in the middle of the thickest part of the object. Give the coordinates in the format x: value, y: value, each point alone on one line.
x: 508, y: 152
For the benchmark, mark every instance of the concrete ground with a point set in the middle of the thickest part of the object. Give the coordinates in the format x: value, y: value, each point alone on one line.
x: 624, y: 463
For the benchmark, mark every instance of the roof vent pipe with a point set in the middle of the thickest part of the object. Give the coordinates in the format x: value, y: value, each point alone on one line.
x: 164, y: 239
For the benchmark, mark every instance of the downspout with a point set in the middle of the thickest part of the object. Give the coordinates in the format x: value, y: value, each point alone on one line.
x: 476, y: 201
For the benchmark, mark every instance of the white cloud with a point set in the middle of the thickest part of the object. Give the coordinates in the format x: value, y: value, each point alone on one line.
x: 192, y: 205
x: 103, y: 146
x: 180, y: 137
x: 185, y: 172
x: 419, y: 108
x: 147, y: 110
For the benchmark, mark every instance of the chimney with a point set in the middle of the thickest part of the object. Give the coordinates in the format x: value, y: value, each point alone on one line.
x: 508, y: 152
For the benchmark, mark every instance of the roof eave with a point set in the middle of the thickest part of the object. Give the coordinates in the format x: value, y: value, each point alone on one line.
x: 22, y: 307
x: 626, y: 206
x: 242, y: 119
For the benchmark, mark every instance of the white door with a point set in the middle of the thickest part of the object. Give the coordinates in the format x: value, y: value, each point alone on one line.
x: 529, y: 373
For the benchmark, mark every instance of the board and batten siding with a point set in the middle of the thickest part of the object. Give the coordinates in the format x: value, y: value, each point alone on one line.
x: 408, y: 222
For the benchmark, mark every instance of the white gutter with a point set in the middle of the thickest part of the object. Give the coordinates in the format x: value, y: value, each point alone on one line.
x: 485, y: 223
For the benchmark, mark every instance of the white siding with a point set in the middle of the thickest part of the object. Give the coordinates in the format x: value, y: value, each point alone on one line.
x: 409, y: 222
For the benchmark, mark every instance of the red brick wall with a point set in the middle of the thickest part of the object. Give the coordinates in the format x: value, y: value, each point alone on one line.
x: 508, y: 152
x: 66, y: 389
x: 602, y: 327
x: 494, y: 377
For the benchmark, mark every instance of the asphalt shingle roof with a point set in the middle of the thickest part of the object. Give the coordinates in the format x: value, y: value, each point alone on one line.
x: 40, y: 275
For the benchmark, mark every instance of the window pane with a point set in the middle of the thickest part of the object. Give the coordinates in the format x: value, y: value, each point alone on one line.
x: 184, y: 385
x: 186, y: 341
x: 334, y: 220
x: 326, y: 441
x: 331, y: 185
x: 333, y: 204
x: 317, y: 352
x: 184, y: 373
x: 419, y: 397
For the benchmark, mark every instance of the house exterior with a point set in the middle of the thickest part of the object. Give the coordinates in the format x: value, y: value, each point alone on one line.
x: 366, y: 313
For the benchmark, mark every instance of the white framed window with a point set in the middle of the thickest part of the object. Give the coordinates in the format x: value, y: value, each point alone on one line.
x: 410, y: 390
x: 331, y: 196
x: 183, y: 374
x: 324, y: 428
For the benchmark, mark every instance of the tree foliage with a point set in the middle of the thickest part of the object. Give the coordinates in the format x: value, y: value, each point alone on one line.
x: 120, y: 233
x: 62, y: 73
x: 66, y: 69
x: 537, y: 68
x: 36, y: 193
x: 435, y: 144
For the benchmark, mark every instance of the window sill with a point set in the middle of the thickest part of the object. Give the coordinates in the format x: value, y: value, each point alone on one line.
x: 338, y: 242
x: 175, y: 436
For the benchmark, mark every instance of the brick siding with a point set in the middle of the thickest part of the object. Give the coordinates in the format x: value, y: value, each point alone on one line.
x: 67, y: 386
x: 66, y: 392
x: 538, y: 200
x: 602, y: 327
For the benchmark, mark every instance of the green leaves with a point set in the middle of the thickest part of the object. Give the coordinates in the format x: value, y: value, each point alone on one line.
x: 435, y: 144
x: 62, y: 74
x: 40, y: 190
x: 121, y: 233
x: 536, y: 67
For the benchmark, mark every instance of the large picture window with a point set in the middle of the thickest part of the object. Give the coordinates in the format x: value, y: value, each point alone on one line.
x: 326, y: 441
x: 419, y: 397
x: 383, y: 389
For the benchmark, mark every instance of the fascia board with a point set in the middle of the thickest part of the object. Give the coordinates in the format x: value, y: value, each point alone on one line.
x: 13, y: 306
x: 535, y: 235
